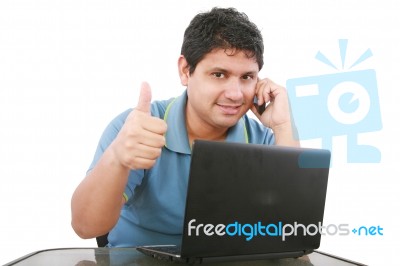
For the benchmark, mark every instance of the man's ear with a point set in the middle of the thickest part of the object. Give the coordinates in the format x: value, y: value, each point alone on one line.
x: 183, y: 69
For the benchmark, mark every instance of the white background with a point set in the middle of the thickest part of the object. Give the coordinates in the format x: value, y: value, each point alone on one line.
x: 68, y: 67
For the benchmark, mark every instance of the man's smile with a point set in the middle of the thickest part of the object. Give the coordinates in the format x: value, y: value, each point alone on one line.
x: 229, y: 109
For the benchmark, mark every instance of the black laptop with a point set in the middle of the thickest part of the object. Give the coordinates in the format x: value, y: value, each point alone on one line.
x: 250, y: 201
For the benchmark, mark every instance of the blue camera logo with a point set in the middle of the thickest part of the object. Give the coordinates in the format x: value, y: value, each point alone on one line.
x: 344, y: 103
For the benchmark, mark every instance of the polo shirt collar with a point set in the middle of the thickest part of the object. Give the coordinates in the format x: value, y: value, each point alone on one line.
x: 176, y: 136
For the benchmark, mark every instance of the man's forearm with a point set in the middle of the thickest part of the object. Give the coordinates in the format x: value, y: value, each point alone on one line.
x: 286, y: 135
x: 97, y: 201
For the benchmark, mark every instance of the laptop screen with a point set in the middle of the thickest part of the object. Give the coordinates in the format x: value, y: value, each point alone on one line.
x: 254, y: 199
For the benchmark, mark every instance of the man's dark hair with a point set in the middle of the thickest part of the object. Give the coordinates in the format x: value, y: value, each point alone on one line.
x: 223, y: 28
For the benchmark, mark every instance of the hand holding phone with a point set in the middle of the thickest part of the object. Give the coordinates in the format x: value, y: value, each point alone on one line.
x: 260, y: 108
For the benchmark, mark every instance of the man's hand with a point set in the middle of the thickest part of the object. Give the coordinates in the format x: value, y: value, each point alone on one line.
x: 141, y: 138
x: 277, y: 112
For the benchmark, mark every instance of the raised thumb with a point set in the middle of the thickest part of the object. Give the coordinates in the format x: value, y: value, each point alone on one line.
x: 144, y: 98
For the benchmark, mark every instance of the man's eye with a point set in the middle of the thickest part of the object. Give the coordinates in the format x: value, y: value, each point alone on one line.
x: 246, y: 77
x: 218, y: 75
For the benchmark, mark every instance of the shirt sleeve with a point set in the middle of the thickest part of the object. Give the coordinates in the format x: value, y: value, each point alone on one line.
x: 110, y: 133
x: 108, y: 136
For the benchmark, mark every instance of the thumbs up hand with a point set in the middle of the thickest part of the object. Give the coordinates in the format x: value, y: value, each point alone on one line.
x: 144, y: 98
x: 141, y: 138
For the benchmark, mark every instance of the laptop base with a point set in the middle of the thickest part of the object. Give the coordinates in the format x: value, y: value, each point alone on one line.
x: 172, y: 253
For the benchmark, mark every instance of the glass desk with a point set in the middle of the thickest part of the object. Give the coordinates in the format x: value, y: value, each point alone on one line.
x: 130, y: 256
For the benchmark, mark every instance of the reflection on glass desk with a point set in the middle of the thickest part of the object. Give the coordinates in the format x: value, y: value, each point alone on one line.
x: 130, y: 256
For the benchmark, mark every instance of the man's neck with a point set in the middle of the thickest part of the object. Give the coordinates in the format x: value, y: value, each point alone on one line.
x: 197, y: 130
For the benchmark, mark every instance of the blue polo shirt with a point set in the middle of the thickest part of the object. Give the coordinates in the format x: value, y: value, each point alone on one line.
x: 154, y: 211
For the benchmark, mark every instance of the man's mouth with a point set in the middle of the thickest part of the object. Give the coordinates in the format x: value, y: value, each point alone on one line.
x: 229, y: 109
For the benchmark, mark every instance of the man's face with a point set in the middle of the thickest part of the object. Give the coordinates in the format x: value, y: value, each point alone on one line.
x: 221, y: 89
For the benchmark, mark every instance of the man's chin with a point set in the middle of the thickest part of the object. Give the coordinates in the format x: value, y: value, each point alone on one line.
x: 227, y: 122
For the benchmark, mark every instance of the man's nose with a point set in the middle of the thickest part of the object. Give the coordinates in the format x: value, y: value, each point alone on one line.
x: 233, y: 90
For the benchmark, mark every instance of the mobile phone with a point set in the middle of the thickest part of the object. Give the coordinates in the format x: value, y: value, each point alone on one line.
x: 260, y: 108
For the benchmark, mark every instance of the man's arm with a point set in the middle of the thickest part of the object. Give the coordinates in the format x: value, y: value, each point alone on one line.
x: 97, y: 201
x: 277, y: 113
x: 285, y: 135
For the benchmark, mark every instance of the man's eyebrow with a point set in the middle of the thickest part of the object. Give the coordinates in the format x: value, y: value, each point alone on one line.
x: 223, y: 70
x: 218, y: 69
x: 251, y: 73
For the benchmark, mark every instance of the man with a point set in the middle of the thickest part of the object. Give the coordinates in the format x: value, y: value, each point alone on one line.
x: 136, y: 186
